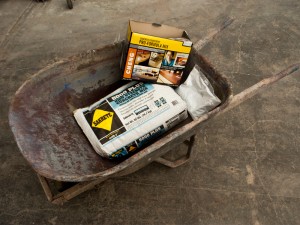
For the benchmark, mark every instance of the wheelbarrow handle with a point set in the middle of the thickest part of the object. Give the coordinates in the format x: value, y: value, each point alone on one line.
x: 260, y: 86
x: 212, y: 34
x: 253, y: 90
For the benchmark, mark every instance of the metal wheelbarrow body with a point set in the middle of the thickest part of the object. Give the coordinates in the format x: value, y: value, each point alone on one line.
x: 41, y: 118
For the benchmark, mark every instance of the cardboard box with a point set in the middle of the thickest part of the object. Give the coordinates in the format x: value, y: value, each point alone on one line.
x: 155, y: 53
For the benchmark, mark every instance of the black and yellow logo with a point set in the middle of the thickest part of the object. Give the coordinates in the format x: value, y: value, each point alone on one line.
x: 102, y: 119
x: 131, y: 148
x: 104, y: 122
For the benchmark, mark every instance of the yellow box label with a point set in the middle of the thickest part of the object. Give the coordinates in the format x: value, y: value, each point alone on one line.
x: 160, y: 43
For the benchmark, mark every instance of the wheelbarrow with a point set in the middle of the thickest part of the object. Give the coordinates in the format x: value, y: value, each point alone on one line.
x: 41, y: 119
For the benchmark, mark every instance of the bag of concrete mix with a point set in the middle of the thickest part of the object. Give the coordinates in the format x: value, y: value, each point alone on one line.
x: 129, y: 117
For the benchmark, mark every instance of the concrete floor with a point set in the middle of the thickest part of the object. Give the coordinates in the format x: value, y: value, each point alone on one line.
x: 246, y: 168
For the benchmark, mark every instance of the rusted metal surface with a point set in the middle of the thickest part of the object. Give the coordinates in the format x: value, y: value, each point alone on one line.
x: 48, y: 136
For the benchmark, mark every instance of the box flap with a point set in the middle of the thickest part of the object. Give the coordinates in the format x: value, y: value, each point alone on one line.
x: 156, y: 30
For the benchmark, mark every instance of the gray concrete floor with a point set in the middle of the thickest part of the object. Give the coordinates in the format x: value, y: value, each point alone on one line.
x: 246, y: 168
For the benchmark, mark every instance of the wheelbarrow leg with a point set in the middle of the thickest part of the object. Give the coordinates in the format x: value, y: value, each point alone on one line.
x: 181, y: 160
x: 46, y: 187
x: 69, y: 193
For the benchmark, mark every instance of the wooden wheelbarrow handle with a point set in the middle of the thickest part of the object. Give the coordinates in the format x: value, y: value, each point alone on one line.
x: 235, y: 101
x: 253, y: 90
x: 260, y: 86
x: 213, y: 33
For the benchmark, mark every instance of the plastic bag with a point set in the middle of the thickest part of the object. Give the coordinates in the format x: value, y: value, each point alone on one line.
x: 198, y: 93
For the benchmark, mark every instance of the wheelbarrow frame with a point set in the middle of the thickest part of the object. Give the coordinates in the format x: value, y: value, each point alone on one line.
x: 78, y: 188
x: 154, y: 152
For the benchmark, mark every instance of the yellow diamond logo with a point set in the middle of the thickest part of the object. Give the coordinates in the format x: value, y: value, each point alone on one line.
x: 102, y: 119
x: 131, y: 148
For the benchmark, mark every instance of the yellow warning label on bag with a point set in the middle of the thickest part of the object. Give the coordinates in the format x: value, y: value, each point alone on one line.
x: 102, y: 119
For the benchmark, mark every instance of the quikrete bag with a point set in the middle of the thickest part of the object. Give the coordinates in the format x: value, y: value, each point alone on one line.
x: 129, y: 117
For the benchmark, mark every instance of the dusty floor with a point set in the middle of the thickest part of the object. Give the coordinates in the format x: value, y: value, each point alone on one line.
x: 246, y: 168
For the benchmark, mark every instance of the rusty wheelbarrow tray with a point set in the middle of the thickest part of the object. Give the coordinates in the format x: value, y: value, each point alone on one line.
x: 41, y: 118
